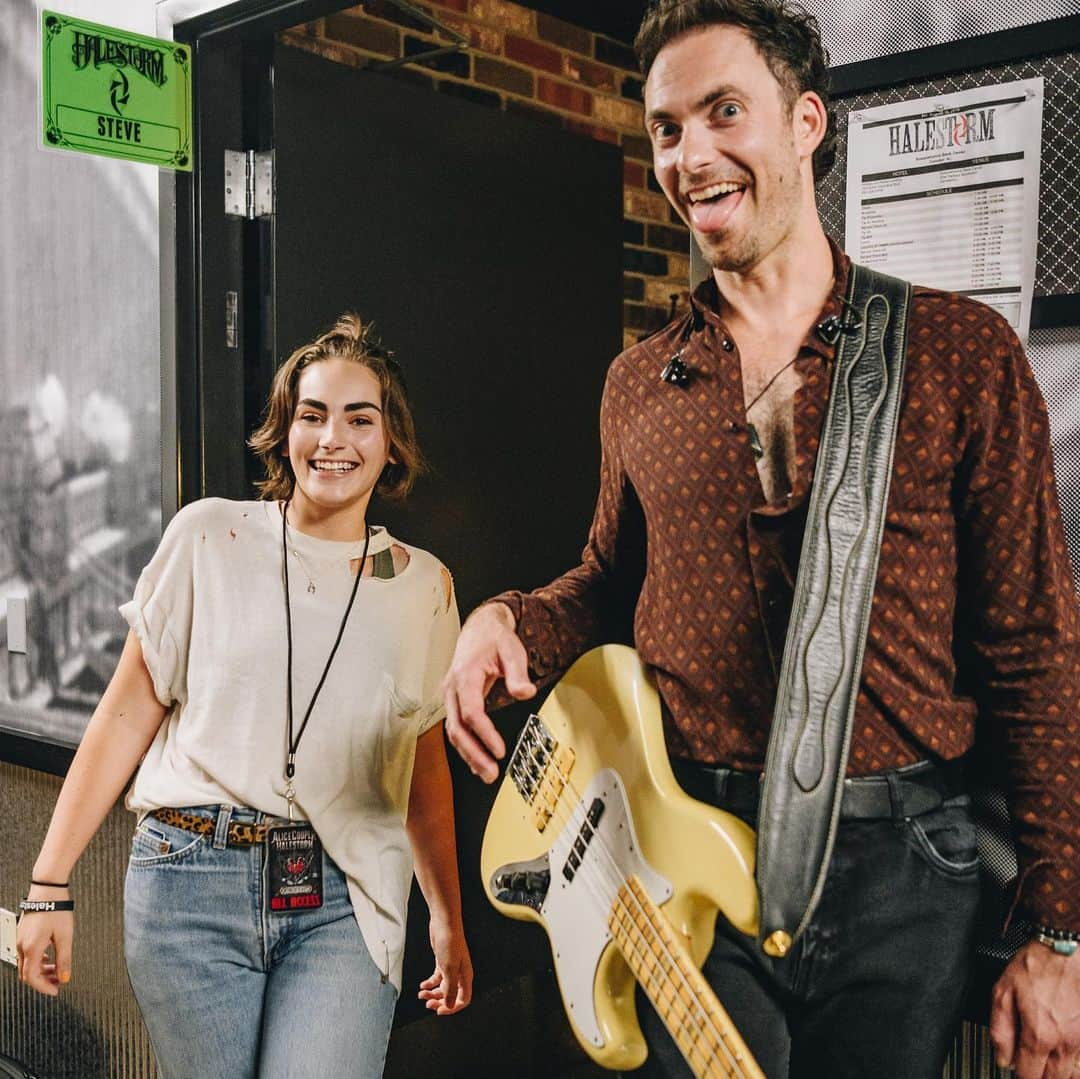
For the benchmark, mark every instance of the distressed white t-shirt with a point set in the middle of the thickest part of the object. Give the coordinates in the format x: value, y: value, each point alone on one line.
x: 209, y: 611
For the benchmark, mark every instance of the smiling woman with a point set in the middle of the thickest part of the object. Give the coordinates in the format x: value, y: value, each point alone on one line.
x: 272, y: 766
x: 351, y: 341
x: 338, y: 447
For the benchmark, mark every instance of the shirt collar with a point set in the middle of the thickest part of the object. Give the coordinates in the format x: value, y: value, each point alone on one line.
x: 706, y: 303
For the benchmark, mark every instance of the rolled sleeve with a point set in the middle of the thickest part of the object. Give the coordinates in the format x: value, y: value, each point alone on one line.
x: 160, y: 612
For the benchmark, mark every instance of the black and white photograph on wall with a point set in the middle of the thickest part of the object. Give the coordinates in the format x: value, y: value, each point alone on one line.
x: 80, y: 427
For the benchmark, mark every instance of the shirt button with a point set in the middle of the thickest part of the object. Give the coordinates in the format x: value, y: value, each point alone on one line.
x: 727, y: 344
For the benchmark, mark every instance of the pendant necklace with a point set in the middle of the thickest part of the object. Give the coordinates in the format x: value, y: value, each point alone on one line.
x: 312, y: 578
x: 756, y: 446
x: 306, y: 571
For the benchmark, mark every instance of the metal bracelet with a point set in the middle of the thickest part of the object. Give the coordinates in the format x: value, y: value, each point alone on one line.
x: 1061, y: 941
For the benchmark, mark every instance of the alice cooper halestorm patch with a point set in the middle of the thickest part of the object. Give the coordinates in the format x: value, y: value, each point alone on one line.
x: 294, y: 867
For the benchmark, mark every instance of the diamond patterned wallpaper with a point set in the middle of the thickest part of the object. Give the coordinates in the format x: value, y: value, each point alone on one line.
x: 886, y: 27
x: 1055, y: 359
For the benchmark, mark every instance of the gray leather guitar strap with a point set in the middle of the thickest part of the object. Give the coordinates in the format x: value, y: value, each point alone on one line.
x: 819, y: 677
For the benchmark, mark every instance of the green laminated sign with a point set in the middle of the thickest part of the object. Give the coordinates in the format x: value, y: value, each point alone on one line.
x: 108, y: 91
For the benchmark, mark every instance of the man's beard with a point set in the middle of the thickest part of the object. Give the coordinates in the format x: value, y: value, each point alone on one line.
x: 741, y: 253
x: 738, y: 258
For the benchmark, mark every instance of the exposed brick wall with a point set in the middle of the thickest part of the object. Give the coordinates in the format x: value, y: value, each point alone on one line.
x: 532, y: 64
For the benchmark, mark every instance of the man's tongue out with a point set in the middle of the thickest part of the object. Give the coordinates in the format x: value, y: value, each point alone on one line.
x: 711, y: 215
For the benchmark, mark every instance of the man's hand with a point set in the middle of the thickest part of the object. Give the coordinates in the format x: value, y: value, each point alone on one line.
x: 1035, y: 1014
x: 487, y: 650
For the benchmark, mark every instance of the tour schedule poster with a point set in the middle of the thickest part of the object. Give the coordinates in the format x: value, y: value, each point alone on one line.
x: 944, y: 191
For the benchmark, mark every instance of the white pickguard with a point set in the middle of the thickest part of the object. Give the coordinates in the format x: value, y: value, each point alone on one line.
x: 576, y: 911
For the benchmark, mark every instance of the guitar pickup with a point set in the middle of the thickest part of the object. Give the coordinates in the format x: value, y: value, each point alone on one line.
x: 583, y: 839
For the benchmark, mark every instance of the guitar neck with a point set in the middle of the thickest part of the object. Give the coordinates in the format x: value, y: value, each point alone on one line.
x: 678, y: 991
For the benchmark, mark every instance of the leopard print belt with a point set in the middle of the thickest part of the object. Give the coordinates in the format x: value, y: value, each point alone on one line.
x: 240, y: 833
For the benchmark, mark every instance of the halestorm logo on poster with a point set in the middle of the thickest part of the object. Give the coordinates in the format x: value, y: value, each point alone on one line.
x: 941, y: 132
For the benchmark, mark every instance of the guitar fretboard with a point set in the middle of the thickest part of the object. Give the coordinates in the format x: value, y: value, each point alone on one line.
x: 682, y: 998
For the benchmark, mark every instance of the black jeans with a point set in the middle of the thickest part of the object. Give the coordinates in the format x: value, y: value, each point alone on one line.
x: 875, y: 985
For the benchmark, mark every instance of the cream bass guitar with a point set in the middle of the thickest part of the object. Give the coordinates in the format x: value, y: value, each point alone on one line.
x: 591, y: 836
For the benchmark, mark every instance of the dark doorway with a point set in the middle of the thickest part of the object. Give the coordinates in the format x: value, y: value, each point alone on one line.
x: 487, y: 249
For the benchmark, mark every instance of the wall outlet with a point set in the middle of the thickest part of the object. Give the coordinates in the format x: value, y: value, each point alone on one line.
x: 7, y: 936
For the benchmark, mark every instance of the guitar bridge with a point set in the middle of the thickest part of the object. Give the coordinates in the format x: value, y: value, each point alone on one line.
x: 540, y: 768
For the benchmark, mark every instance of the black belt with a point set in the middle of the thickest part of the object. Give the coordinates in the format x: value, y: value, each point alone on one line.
x: 906, y: 792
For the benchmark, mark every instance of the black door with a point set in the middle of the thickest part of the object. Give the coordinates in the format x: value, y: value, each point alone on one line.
x: 486, y: 247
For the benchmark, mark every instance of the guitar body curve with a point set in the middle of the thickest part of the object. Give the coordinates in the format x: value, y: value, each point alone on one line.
x: 597, y: 751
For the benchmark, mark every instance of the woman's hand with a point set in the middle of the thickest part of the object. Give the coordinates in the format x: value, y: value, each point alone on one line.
x: 43, y: 943
x: 449, y: 989
x: 116, y: 738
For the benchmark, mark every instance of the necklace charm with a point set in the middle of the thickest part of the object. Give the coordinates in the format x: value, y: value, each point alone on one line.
x: 307, y: 572
x: 756, y: 447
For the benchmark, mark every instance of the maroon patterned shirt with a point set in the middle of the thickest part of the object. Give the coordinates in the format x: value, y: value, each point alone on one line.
x: 974, y: 611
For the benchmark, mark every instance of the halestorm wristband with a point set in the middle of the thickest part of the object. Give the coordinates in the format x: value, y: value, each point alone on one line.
x: 44, y: 906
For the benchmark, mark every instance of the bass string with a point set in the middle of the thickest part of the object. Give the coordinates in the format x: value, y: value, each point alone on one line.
x: 636, y: 908
x: 615, y: 880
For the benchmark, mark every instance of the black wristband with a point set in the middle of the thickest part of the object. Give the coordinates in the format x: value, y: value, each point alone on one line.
x: 45, y: 906
x: 48, y: 883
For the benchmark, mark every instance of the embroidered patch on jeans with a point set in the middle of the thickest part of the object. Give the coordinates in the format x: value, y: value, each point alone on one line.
x: 293, y: 867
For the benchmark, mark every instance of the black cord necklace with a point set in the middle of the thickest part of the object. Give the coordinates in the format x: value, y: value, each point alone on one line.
x: 756, y: 446
x: 768, y: 385
x: 290, y: 762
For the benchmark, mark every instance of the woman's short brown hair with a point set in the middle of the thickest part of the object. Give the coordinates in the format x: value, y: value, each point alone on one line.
x: 784, y: 32
x: 353, y: 340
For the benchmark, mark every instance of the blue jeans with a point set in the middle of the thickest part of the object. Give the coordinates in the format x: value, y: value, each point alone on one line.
x: 875, y: 985
x: 229, y: 991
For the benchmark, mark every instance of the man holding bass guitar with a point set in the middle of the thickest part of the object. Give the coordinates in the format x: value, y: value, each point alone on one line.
x: 710, y: 432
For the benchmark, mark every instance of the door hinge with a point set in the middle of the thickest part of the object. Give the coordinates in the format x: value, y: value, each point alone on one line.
x: 249, y: 183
